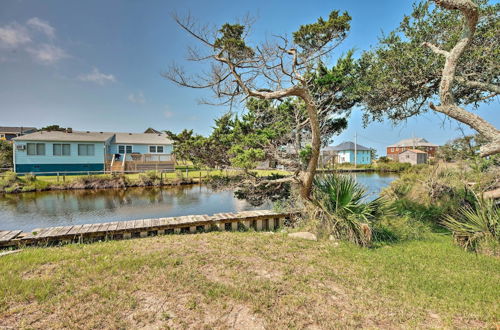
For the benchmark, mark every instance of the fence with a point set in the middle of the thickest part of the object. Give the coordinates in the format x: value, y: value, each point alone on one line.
x: 195, y: 175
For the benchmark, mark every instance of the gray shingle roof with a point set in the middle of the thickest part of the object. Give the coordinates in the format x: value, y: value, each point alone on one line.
x: 417, y: 142
x: 76, y: 136
x: 142, y: 138
x: 346, y: 146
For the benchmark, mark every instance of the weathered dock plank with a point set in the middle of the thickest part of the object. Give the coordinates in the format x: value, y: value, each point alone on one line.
x: 74, y: 230
x: 261, y: 219
x: 8, y: 235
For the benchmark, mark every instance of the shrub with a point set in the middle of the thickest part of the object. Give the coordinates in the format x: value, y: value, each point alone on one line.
x: 29, y: 178
x: 476, y: 228
x: 8, y: 180
x: 342, y: 210
x: 149, y: 178
x: 400, y: 228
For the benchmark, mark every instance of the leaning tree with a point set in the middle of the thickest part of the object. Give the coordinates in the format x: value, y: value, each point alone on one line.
x: 269, y: 71
x: 447, y: 53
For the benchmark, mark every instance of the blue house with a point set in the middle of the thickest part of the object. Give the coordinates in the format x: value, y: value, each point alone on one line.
x: 345, y: 153
x: 73, y: 151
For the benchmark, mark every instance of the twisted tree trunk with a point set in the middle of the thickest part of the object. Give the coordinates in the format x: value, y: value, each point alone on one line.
x: 448, y: 105
x: 307, y: 177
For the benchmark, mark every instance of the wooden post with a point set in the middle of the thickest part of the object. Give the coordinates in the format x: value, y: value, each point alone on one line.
x: 258, y: 224
x: 246, y: 223
x: 270, y: 224
x: 161, y: 178
x: 57, y: 176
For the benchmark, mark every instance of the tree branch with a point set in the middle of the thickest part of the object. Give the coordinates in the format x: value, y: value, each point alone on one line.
x: 448, y: 105
x: 479, y: 85
x: 436, y: 49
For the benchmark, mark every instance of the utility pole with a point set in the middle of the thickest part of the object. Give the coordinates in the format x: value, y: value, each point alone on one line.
x: 355, y: 149
x: 413, y: 139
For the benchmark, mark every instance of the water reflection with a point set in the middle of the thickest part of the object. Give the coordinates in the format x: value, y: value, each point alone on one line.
x: 56, y: 208
x: 27, y: 211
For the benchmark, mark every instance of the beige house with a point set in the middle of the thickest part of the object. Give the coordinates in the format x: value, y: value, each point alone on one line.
x: 413, y: 156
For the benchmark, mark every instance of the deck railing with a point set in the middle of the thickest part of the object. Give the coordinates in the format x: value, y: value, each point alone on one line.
x: 150, y: 158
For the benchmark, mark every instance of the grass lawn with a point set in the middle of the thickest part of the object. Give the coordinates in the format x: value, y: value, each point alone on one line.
x: 248, y: 280
x: 171, y: 175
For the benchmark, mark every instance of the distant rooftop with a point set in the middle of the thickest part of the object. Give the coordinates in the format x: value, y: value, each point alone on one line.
x: 16, y: 130
x: 414, y: 151
x: 417, y: 142
x: 346, y: 146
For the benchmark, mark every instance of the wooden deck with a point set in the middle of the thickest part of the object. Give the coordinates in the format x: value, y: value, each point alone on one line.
x: 258, y: 220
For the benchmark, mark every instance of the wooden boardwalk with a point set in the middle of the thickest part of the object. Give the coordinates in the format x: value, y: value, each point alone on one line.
x: 258, y: 220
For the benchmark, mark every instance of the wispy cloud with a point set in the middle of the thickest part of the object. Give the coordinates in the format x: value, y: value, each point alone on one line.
x: 13, y: 35
x: 137, y: 98
x: 168, y: 113
x: 40, y: 46
x: 42, y: 26
x: 47, y: 54
x: 97, y: 77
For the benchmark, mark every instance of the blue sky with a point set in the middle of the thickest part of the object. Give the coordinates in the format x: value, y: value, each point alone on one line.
x: 96, y: 65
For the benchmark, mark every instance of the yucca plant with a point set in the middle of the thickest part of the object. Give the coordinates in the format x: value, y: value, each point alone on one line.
x: 342, y: 208
x: 476, y: 226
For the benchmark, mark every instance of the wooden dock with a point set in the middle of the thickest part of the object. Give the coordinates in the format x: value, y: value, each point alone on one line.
x: 257, y: 220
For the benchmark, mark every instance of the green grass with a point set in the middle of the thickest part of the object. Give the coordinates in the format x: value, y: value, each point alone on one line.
x: 248, y: 280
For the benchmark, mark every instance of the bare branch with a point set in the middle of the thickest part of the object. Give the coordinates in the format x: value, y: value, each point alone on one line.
x: 479, y: 85
x: 436, y: 49
x: 448, y: 105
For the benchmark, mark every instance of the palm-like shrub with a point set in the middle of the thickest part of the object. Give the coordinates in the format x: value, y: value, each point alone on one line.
x: 476, y: 228
x: 342, y: 208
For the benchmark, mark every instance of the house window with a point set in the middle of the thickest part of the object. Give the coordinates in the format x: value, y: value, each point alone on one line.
x: 86, y: 150
x: 35, y: 149
x: 122, y: 149
x: 61, y: 149
x: 392, y: 149
x: 156, y: 149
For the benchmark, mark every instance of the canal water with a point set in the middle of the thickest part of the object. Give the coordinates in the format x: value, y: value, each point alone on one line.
x: 27, y: 211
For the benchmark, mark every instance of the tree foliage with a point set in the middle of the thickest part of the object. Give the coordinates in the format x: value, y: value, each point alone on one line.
x: 288, y: 70
x: 465, y: 148
x: 6, y: 154
x: 53, y: 128
x: 411, y: 66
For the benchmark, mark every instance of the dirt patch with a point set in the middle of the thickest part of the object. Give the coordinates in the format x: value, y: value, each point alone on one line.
x: 45, y: 270
x: 241, y: 317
